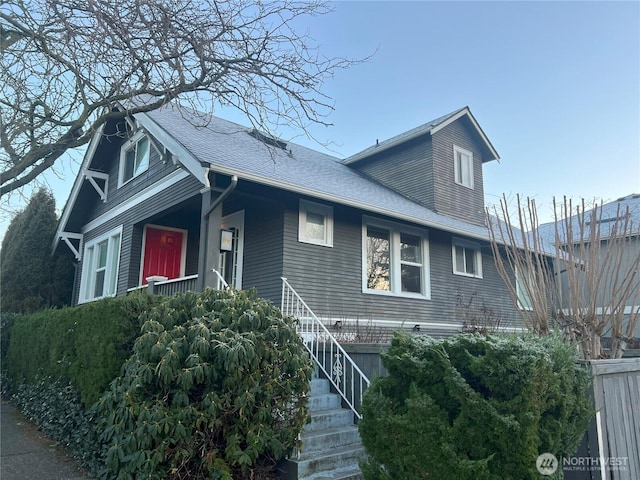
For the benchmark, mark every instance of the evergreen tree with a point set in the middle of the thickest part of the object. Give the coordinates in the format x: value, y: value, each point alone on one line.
x: 30, y: 277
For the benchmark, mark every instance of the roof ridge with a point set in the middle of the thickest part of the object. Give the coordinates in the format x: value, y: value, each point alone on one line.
x: 419, y: 130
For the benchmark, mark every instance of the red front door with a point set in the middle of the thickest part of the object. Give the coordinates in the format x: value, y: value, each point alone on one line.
x: 162, y: 253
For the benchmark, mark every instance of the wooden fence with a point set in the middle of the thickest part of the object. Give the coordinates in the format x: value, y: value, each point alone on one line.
x: 616, y: 390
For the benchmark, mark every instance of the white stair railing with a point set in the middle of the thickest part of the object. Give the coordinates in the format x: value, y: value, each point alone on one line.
x: 221, y: 283
x: 325, y: 350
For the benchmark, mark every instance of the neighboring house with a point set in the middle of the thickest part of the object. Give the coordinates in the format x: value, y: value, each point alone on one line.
x: 394, y: 235
x: 622, y: 278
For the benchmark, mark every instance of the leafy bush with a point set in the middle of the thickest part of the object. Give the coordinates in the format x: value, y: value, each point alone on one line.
x: 216, y: 385
x: 84, y: 346
x: 473, y: 407
x: 57, y: 409
x: 7, y: 320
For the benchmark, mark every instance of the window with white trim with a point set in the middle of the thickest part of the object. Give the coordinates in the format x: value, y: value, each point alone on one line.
x: 395, y: 261
x: 315, y: 223
x: 463, y: 166
x: 524, y: 278
x: 100, y: 264
x: 467, y: 258
x: 134, y: 157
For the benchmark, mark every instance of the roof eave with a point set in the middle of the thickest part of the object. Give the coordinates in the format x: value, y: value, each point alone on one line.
x: 75, y: 190
x: 466, y: 111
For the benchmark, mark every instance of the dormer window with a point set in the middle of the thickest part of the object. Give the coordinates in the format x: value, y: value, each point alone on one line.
x: 134, y: 157
x: 463, y: 166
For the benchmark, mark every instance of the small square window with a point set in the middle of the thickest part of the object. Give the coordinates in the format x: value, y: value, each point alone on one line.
x: 315, y: 223
x: 134, y: 158
x: 463, y: 166
x: 467, y: 258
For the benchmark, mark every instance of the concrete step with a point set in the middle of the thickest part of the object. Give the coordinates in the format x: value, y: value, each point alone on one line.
x: 329, y: 438
x: 335, y: 417
x: 345, y: 458
x: 323, y: 401
x: 319, y: 385
x: 347, y: 474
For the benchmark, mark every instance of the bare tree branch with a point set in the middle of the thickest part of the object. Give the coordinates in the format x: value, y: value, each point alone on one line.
x: 593, y: 289
x: 67, y: 65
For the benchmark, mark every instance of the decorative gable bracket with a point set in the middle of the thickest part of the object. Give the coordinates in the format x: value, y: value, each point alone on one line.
x: 93, y: 178
x: 68, y: 237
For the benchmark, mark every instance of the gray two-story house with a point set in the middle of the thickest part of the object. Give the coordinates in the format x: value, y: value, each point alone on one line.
x: 394, y: 235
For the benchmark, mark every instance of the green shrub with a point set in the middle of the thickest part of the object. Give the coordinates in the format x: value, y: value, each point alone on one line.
x: 473, y: 407
x: 216, y: 385
x: 57, y: 409
x: 7, y: 320
x: 84, y: 346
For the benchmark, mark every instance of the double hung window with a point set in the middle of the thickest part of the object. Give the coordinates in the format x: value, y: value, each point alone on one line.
x: 100, y: 267
x: 395, y: 261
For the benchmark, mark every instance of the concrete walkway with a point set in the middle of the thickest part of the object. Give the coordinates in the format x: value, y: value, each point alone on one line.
x: 26, y: 454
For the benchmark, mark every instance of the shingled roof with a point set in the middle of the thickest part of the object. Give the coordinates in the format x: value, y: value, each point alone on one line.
x: 428, y: 128
x: 230, y: 148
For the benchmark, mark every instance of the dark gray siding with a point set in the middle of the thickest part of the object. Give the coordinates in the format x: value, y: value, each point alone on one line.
x: 262, y: 245
x: 329, y: 279
x: 450, y: 198
x: 132, y: 222
x: 407, y: 169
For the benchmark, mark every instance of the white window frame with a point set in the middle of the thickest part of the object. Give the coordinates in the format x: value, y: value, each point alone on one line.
x: 467, y: 245
x: 90, y: 268
x: 395, y: 231
x: 521, y: 291
x: 128, y: 145
x: 463, y: 173
x: 326, y: 212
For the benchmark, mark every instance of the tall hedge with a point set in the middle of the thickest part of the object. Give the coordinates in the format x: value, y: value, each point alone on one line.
x: 84, y: 346
x: 473, y: 407
x: 30, y: 276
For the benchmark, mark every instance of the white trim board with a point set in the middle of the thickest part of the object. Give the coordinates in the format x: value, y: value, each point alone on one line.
x: 138, y: 198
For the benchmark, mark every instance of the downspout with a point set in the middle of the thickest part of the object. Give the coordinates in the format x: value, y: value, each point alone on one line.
x: 202, y: 267
x: 225, y: 193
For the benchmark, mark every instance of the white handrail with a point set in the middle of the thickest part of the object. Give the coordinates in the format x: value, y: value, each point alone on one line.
x: 325, y: 350
x: 222, y: 283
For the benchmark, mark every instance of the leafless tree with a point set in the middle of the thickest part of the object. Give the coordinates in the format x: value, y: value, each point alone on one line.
x: 580, y: 274
x: 67, y: 64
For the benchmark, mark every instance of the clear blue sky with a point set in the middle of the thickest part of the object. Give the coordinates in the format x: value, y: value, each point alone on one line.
x: 554, y: 85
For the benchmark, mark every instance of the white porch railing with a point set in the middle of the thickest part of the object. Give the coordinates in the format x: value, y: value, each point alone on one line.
x: 325, y: 350
x: 171, y: 287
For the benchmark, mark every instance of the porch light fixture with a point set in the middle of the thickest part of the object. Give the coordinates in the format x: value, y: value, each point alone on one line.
x: 226, y: 240
x: 416, y: 328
